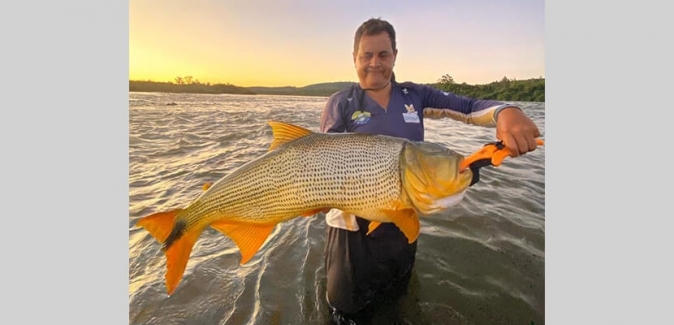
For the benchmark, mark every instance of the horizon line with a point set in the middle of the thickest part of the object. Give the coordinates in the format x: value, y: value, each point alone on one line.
x: 327, y: 82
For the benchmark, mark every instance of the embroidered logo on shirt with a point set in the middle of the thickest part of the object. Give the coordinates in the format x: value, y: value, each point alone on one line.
x: 360, y: 117
x: 411, y: 116
x: 405, y: 91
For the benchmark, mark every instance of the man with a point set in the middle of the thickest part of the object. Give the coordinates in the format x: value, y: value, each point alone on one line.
x: 359, y: 266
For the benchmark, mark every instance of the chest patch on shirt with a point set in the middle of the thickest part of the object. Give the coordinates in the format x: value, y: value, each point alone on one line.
x: 411, y: 116
x: 360, y: 117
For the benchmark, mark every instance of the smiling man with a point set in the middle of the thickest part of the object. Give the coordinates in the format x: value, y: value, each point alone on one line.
x: 360, y: 266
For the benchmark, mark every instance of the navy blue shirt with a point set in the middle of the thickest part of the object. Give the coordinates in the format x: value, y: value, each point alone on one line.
x: 351, y: 110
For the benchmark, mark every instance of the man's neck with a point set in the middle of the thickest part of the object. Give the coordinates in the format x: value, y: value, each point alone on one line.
x: 380, y: 95
x: 379, y: 92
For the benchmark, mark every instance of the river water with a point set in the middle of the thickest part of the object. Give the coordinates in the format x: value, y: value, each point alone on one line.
x: 481, y: 263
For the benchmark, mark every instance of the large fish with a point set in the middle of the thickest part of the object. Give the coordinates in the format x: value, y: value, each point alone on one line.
x: 379, y: 178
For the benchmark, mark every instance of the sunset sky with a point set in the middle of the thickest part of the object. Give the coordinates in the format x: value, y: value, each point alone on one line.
x: 300, y: 42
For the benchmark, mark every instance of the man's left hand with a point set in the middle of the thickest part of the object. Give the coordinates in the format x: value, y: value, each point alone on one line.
x: 517, y: 131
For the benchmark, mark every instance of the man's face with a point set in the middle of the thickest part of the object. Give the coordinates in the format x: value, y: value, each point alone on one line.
x: 374, y: 60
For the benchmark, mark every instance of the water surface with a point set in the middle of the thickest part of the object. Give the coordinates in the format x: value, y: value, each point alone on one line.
x: 480, y: 263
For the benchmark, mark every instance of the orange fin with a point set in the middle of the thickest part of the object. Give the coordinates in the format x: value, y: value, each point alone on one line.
x: 178, y: 243
x: 247, y: 237
x: 284, y: 132
x: 159, y: 224
x: 206, y: 186
x: 373, y: 225
x: 177, y: 256
x: 407, y: 221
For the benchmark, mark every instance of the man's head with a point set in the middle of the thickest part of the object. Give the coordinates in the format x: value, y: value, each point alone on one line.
x: 374, y: 53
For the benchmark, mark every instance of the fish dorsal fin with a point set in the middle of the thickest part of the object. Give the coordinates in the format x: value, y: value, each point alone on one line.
x: 284, y: 133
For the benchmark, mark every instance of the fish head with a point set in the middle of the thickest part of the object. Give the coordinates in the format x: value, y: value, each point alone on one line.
x: 431, y: 176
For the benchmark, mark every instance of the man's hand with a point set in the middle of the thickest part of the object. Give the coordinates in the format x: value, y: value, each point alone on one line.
x: 517, y: 131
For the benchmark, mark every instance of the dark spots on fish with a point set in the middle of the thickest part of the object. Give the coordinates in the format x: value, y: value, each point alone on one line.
x: 176, y: 233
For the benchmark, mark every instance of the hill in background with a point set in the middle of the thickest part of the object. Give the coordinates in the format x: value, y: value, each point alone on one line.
x: 532, y: 90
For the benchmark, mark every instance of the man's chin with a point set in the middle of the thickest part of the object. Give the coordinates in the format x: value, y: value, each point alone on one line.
x: 378, y: 83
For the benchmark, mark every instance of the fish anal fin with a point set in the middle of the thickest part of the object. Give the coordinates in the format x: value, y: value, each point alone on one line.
x: 285, y: 132
x: 247, y: 237
x: 407, y: 221
x: 372, y: 226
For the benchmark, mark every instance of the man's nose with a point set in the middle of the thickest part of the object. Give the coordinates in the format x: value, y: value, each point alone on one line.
x: 375, y: 62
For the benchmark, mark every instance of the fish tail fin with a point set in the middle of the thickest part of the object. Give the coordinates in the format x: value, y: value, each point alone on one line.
x: 177, y: 240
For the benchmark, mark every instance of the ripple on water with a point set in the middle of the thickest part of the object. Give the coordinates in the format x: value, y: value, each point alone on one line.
x: 481, y: 262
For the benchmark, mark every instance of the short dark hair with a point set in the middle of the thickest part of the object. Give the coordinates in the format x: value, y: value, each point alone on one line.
x: 374, y: 26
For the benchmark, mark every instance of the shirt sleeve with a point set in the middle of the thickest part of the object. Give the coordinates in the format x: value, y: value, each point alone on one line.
x: 332, y: 119
x: 441, y: 104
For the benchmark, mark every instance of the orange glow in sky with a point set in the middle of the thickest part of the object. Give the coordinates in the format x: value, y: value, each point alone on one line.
x: 297, y: 43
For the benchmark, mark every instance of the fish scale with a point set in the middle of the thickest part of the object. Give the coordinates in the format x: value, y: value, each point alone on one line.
x: 317, y: 171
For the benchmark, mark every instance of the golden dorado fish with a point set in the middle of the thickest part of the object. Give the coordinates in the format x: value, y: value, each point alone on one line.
x: 379, y: 178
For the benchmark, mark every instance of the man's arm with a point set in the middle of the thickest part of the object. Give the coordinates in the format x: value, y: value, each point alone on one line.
x: 517, y: 131
x: 439, y: 104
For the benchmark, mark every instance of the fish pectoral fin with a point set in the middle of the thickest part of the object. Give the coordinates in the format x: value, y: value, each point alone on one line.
x: 407, y: 221
x: 177, y: 250
x: 372, y: 226
x: 285, y: 132
x: 247, y: 237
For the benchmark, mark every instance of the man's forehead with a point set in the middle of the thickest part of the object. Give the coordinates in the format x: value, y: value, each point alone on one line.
x: 375, y: 43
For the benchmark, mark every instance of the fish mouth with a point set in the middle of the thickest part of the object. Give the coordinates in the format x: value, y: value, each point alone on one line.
x: 466, y: 177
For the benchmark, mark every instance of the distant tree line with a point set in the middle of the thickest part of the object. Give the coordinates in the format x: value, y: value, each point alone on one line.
x: 186, y: 84
x: 532, y: 90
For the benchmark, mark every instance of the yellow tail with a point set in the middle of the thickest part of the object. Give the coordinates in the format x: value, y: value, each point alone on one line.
x: 178, y: 243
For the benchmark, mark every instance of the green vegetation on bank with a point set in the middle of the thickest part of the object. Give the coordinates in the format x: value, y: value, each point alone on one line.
x: 186, y: 85
x: 532, y: 90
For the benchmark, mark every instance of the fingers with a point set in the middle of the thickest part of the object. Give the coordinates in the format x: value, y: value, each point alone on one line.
x: 531, y: 141
x: 511, y: 144
x: 517, y: 132
x: 519, y: 143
